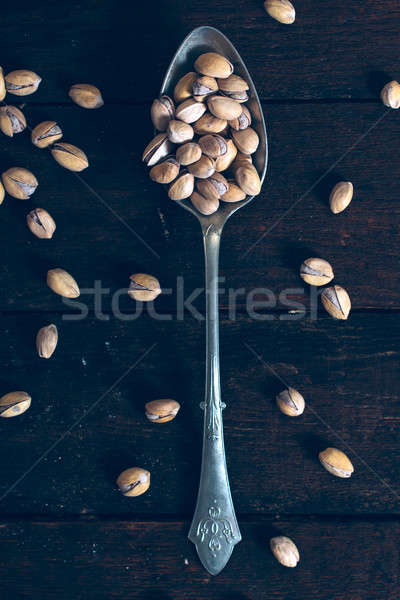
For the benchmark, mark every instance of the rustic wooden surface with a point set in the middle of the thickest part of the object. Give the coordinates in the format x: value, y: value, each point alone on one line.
x: 65, y: 531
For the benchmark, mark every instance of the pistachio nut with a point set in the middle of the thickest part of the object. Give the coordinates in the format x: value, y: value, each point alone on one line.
x: 390, y: 94
x: 246, y: 140
x: 212, y: 188
x: 86, y: 95
x: 241, y: 159
x: 183, y: 88
x: 14, y: 404
x: 213, y: 65
x: 70, y: 157
x: 234, y: 193
x: 62, y: 283
x: 12, y: 120
x: 162, y: 411
x: 2, y: 193
x: 209, y: 124
x: 336, y: 302
x: 144, y: 287
x: 179, y: 132
x: 341, y: 196
x: 2, y: 85
x: 336, y: 462
x: 213, y: 145
x: 224, y: 108
x: 158, y: 148
x: 161, y: 112
x: 46, y: 340
x: 188, y: 153
x: 203, y: 87
x: 190, y: 110
x: 316, y: 271
x: 235, y: 87
x: 22, y: 82
x: 45, y: 134
x: 182, y: 187
x: 281, y: 10
x: 248, y: 179
x: 204, y: 205
x: 242, y: 121
x: 19, y: 182
x: 133, y: 482
x: 202, y: 168
x: 165, y: 171
x: 41, y: 223
x: 291, y: 402
x: 224, y: 162
x: 285, y: 551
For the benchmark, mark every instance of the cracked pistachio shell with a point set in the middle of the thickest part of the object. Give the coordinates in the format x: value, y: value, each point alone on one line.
x: 234, y: 193
x: 242, y: 121
x: 281, y: 10
x: 209, y: 124
x: 213, y: 65
x: 224, y: 162
x: 70, y: 157
x: 41, y: 223
x: 285, y: 551
x: 247, y: 178
x: 179, y: 132
x: 336, y: 462
x: 246, y: 140
x: 341, y: 196
x: 188, y: 153
x: 22, y: 82
x: 19, y: 182
x: 390, y: 94
x: 213, y: 145
x: 133, y: 482
x: 161, y: 112
x: 46, y: 133
x: 291, y: 402
x: 204, y: 205
x: 2, y: 193
x: 336, y: 302
x: 241, y: 159
x: 232, y: 84
x: 224, y: 108
x: 203, y: 87
x: 183, y: 88
x: 12, y: 120
x: 212, y: 188
x: 190, y: 110
x: 165, y: 171
x: 316, y: 271
x: 182, y: 187
x: 162, y: 411
x: 62, y: 283
x: 202, y: 168
x: 14, y: 404
x: 158, y: 148
x: 144, y: 287
x: 46, y: 340
x: 86, y: 95
x: 2, y: 85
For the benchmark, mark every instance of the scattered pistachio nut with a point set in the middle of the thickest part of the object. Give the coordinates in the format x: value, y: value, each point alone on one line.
x: 46, y: 340
x: 190, y: 110
x: 22, y: 82
x: 179, y: 132
x: 70, y: 157
x: 14, y: 404
x: 341, y: 196
x: 188, y: 153
x: 162, y: 111
x: 41, y: 223
x: 202, y: 168
x: 212, y: 188
x: 285, y: 551
x: 291, y: 402
x: 133, y: 482
x: 143, y: 287
x: 316, y: 271
x: 209, y: 124
x: 182, y: 187
x: 213, y: 65
x: 62, y: 283
x: 224, y: 108
x: 248, y: 179
x: 246, y: 140
x: 165, y: 171
x: 86, y: 95
x: 158, y: 148
x: 336, y: 302
x: 162, y: 411
x: 45, y: 134
x: 204, y: 205
x: 19, y: 182
x: 203, y: 87
x: 2, y: 85
x: 234, y: 193
x: 183, y: 88
x: 336, y: 462
x: 281, y: 10
x: 2, y: 193
x: 12, y: 120
x: 390, y: 94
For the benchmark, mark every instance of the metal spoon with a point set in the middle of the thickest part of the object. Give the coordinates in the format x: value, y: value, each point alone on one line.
x: 214, y: 529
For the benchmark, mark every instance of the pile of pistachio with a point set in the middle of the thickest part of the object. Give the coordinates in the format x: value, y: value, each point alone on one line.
x: 205, y: 133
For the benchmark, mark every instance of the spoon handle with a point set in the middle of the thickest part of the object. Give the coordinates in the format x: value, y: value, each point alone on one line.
x: 214, y: 529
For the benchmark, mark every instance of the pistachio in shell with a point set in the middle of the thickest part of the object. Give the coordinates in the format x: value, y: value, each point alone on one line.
x: 190, y: 110
x: 224, y: 161
x: 336, y: 302
x: 165, y: 171
x: 213, y: 145
x: 202, y: 168
x: 281, y: 10
x: 41, y: 223
x: 133, y: 482
x: 336, y: 462
x: 285, y: 551
x: 341, y: 196
x: 203, y: 87
x: 188, y: 153
x: 242, y: 121
x: 2, y: 85
x: 22, y: 82
x: 390, y: 94
x: 316, y: 271
x: 62, y: 283
x: 69, y: 156
x: 46, y: 340
x: 14, y: 404
x: 291, y: 402
x: 45, y: 134
x: 162, y: 411
x: 2, y: 193
x: 19, y: 182
x: 86, y: 95
x: 182, y: 187
x: 213, y: 187
x: 204, y: 205
x: 183, y: 88
x: 235, y: 87
x: 213, y: 65
x: 224, y: 108
x: 209, y: 124
x: 161, y: 112
x: 246, y: 140
x: 248, y: 180
x: 179, y: 132
x: 157, y: 149
x: 234, y: 193
x: 143, y: 287
x: 12, y: 120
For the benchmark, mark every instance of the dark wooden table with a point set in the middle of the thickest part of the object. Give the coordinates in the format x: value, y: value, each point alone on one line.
x: 65, y: 531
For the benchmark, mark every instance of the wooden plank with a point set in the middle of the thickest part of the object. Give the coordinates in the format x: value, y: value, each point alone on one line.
x: 339, y: 559
x: 338, y: 50
x: 348, y: 373
x: 94, y: 242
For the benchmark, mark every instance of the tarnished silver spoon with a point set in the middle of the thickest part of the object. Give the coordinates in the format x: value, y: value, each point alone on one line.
x: 214, y: 529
